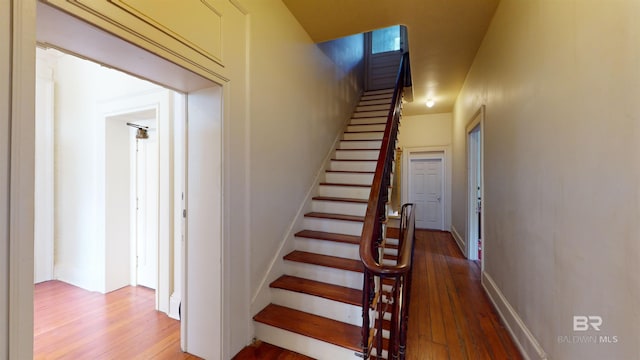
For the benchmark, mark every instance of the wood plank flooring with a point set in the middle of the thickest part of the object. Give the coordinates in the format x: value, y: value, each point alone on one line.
x: 72, y: 323
x: 451, y: 318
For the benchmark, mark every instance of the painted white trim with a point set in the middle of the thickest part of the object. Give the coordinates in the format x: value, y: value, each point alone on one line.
x: 459, y: 240
x: 430, y: 152
x: 21, y: 188
x: 44, y: 169
x: 477, y: 120
x: 528, y: 345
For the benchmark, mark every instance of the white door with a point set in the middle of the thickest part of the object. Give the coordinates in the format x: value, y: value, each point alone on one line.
x: 425, y: 191
x: 147, y: 211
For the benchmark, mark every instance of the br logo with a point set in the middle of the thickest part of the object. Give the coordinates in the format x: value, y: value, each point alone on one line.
x: 583, y: 323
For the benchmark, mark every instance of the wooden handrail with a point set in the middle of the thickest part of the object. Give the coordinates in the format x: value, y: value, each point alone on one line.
x: 394, y: 302
x: 379, y: 188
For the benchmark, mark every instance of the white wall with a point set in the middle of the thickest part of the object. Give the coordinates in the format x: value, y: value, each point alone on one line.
x: 562, y: 170
x: 118, y: 193
x: 79, y: 171
x: 300, y: 100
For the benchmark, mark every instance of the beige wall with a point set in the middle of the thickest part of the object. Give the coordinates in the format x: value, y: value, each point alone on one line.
x: 426, y: 130
x: 5, y: 118
x: 560, y: 80
x: 426, y: 133
x: 300, y: 99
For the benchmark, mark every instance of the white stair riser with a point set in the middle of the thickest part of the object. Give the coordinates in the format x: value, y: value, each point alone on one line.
x: 357, y: 154
x: 349, y: 178
x: 368, y: 114
x: 375, y: 102
x: 325, y: 274
x: 392, y: 241
x: 363, y: 136
x: 390, y: 251
x: 385, y: 354
x: 353, y: 165
x: 383, y: 106
x: 316, y: 305
x: 334, y: 226
x: 331, y: 248
x: 376, y: 97
x: 301, y: 344
x: 375, y: 120
x: 369, y: 144
x: 352, y: 192
x: 380, y: 91
x: 367, y: 127
x: 339, y: 207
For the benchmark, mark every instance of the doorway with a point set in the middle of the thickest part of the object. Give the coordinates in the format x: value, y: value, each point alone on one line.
x: 145, y: 203
x: 475, y: 190
x: 426, y: 190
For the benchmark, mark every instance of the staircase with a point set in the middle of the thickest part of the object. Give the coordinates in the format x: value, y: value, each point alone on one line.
x: 316, y: 305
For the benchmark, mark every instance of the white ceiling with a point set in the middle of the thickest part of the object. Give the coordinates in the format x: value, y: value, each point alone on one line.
x: 444, y: 36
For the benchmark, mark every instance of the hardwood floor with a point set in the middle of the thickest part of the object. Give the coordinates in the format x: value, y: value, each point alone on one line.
x: 72, y: 323
x: 450, y: 318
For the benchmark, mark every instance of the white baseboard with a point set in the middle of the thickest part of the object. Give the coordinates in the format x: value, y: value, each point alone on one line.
x: 529, y: 346
x: 174, y: 306
x: 459, y: 240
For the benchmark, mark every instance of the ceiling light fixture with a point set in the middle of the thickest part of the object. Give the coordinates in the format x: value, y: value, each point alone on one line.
x: 430, y: 103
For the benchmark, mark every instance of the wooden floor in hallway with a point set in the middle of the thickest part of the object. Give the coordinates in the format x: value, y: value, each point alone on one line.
x: 451, y: 317
x: 72, y: 323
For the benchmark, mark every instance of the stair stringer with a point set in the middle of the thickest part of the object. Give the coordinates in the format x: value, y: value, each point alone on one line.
x: 263, y: 294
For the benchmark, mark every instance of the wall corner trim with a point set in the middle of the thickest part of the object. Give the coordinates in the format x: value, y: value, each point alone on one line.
x: 528, y: 345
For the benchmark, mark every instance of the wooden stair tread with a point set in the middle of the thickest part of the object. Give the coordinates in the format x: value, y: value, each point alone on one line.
x: 364, y: 131
x: 327, y: 291
x: 339, y: 199
x: 343, y: 184
x: 321, y: 235
x: 361, y: 149
x: 350, y: 172
x: 313, y: 326
x: 354, y: 160
x: 393, y: 232
x: 325, y: 260
x: 344, y: 217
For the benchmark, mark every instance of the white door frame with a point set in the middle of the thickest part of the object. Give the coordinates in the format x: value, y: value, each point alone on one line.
x: 476, y: 123
x: 429, y: 152
x: 19, y: 243
x: 19, y: 59
x: 44, y: 210
x: 161, y: 101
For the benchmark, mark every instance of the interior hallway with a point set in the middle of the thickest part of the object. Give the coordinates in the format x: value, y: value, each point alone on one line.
x: 451, y: 317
